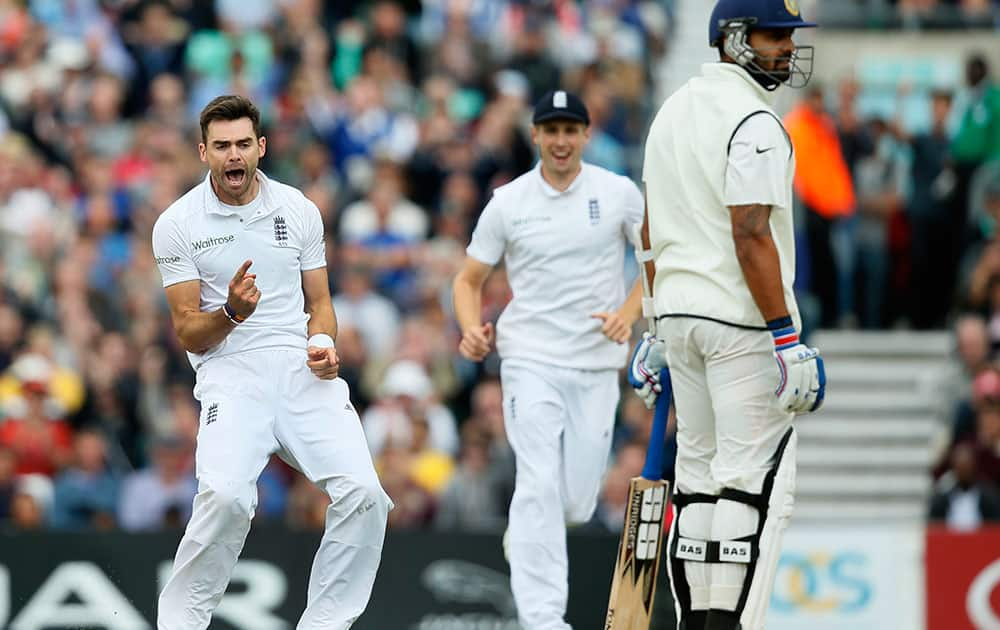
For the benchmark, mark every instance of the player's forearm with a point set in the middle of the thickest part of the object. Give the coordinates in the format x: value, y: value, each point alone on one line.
x: 199, y: 331
x: 322, y: 320
x: 631, y: 310
x: 758, y: 257
x: 468, y: 302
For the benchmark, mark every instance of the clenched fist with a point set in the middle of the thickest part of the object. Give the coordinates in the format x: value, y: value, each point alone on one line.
x: 477, y: 342
x: 323, y: 362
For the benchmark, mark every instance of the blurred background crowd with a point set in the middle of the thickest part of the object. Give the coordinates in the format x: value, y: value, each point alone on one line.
x: 398, y: 118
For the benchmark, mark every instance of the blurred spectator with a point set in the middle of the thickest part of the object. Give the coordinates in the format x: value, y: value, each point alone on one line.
x: 8, y: 481
x: 41, y: 442
x: 881, y: 181
x: 361, y: 128
x: 86, y: 492
x: 358, y: 306
x: 384, y: 211
x: 307, y: 505
x: 406, y: 392
x: 978, y: 138
x: 414, y: 506
x: 475, y: 498
x: 965, y: 502
x: 431, y: 469
x: 31, y: 503
x: 930, y: 212
x: 611, y: 504
x: 162, y: 494
x: 11, y: 328
x: 389, y: 34
x: 823, y: 186
x: 353, y: 357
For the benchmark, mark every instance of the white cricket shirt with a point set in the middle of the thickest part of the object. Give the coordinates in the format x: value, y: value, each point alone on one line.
x: 198, y: 238
x: 565, y: 256
x: 716, y: 143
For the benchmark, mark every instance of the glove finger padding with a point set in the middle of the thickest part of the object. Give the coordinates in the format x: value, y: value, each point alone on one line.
x: 643, y: 374
x: 801, y: 387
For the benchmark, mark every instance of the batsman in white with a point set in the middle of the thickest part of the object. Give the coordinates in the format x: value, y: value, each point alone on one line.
x: 561, y: 230
x: 718, y: 173
x: 244, y: 268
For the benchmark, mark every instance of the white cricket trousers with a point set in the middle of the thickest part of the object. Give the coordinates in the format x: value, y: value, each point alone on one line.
x: 729, y: 426
x: 255, y: 404
x: 559, y: 423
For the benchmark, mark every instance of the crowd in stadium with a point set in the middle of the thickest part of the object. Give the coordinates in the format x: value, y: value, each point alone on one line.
x: 398, y: 119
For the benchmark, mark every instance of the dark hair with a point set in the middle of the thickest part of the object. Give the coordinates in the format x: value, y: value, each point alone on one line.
x: 229, y: 107
x: 942, y: 94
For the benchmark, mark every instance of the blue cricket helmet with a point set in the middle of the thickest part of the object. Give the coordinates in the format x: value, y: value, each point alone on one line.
x: 758, y: 13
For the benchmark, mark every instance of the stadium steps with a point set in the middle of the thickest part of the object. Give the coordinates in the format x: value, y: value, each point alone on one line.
x: 866, y: 456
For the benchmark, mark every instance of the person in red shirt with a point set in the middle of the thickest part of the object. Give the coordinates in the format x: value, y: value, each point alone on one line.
x: 41, y: 444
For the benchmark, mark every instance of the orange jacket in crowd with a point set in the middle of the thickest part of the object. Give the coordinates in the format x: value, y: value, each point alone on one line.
x: 822, y: 179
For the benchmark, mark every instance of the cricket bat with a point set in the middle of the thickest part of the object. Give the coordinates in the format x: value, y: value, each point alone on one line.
x: 630, y: 606
x: 633, y: 585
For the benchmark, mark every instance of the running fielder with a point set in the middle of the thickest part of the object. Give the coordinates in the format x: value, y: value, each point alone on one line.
x: 561, y: 230
x: 244, y: 269
x: 718, y: 173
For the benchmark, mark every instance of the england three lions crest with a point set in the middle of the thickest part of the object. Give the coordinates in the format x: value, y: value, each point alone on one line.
x: 280, y: 231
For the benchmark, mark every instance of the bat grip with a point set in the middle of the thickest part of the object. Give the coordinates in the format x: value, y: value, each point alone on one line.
x: 653, y: 470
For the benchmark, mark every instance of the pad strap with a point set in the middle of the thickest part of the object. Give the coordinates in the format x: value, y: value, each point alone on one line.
x: 683, y: 500
x: 743, y: 550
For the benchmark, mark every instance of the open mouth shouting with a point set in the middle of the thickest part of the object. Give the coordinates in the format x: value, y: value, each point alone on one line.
x: 235, y: 176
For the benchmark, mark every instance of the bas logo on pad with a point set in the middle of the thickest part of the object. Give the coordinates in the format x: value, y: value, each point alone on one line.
x: 792, y: 6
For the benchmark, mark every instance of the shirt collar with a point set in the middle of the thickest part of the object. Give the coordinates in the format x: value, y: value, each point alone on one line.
x: 552, y: 192
x: 214, y: 206
x: 736, y: 73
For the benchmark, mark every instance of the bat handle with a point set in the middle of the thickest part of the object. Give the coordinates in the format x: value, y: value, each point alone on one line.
x: 653, y: 470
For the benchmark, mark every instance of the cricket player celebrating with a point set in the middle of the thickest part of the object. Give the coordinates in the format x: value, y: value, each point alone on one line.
x: 561, y: 230
x: 718, y: 174
x: 244, y: 268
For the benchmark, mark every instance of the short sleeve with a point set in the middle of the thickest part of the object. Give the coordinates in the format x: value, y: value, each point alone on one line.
x: 173, y: 257
x: 759, y: 159
x: 635, y: 207
x: 313, y: 241
x: 488, y: 239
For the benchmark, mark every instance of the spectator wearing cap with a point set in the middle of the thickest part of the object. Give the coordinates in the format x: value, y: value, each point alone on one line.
x: 405, y: 393
x: 162, y: 493
x: 41, y: 442
x: 86, y: 492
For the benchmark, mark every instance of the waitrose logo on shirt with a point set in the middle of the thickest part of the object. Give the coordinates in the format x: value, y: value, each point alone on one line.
x: 212, y: 241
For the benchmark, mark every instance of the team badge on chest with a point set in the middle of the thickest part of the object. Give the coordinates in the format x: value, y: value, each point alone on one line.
x: 280, y: 231
x: 595, y: 212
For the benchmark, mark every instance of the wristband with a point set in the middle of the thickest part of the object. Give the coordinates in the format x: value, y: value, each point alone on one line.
x: 783, y: 331
x: 231, y: 315
x: 321, y: 340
